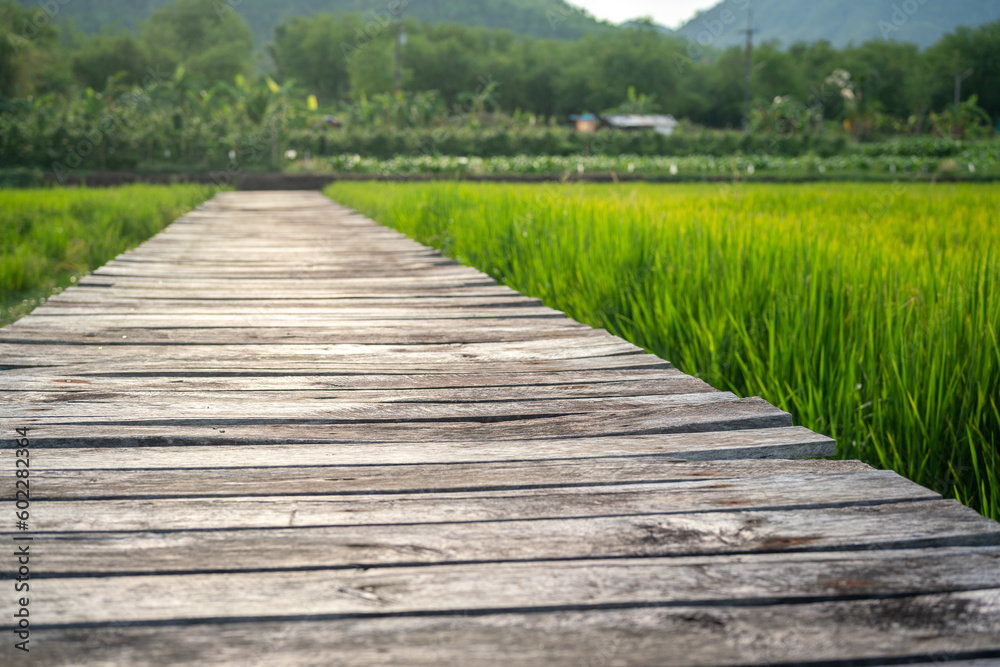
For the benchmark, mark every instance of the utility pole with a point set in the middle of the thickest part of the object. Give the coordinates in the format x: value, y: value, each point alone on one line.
x: 749, y: 68
x: 400, y: 41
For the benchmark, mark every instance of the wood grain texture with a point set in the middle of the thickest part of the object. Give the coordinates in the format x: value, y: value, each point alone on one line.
x: 404, y: 538
x: 226, y: 451
x: 898, y: 630
x: 278, y: 433
x: 647, y: 582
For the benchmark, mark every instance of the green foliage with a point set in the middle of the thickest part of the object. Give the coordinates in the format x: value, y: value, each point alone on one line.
x: 979, y: 161
x: 892, y: 84
x: 371, y: 70
x: 130, y: 106
x: 411, y: 112
x: 829, y: 301
x: 211, y: 45
x: 539, y: 18
x: 101, y: 58
x: 169, y: 124
x: 50, y: 237
x: 969, y: 120
x: 31, y: 54
x: 636, y: 103
x: 314, y: 51
x: 785, y: 115
x: 463, y: 140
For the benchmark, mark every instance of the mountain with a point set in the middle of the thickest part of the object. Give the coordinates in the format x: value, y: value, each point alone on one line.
x: 538, y: 18
x: 839, y: 21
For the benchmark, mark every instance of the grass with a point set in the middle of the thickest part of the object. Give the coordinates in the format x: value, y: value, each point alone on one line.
x: 870, y: 312
x: 51, y: 237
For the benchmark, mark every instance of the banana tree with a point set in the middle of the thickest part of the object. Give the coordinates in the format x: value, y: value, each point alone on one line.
x: 968, y: 118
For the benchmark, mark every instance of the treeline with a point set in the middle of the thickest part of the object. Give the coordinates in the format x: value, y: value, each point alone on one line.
x: 875, y: 88
x: 541, y: 18
x: 344, y: 56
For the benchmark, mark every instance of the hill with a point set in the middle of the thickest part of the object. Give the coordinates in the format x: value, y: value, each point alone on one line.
x: 840, y: 22
x: 538, y: 18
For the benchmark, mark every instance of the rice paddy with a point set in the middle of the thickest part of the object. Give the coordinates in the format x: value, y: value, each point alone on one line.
x: 870, y: 312
x: 51, y: 237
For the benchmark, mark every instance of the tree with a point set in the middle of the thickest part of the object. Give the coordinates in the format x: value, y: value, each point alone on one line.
x: 371, y: 68
x: 104, y: 57
x: 723, y: 90
x: 960, y: 51
x: 32, y: 58
x: 776, y: 74
x: 206, y: 37
x: 315, y: 52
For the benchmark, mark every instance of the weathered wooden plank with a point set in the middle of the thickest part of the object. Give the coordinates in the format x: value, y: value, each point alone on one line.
x: 297, y: 361
x: 88, y: 300
x: 363, y: 388
x: 546, y: 351
x: 421, y: 270
x: 76, y: 431
x: 329, y: 281
x: 504, y: 587
x: 907, y: 525
x: 92, y: 288
x: 401, y: 333
x: 278, y: 314
x: 314, y: 398
x: 182, y: 406
x: 235, y: 499
x: 828, y: 633
x: 727, y: 484
x: 774, y: 443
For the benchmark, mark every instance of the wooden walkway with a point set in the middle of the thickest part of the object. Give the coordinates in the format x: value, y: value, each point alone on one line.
x: 280, y: 434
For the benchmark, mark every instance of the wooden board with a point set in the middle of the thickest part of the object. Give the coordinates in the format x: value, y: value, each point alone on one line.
x: 277, y: 433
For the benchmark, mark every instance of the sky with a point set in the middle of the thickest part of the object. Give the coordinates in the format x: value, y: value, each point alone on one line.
x: 670, y: 13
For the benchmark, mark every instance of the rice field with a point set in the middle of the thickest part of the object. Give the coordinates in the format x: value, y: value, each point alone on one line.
x: 51, y: 237
x: 870, y: 312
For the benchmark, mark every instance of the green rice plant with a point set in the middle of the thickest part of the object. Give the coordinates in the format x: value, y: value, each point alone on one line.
x: 50, y: 237
x: 870, y: 312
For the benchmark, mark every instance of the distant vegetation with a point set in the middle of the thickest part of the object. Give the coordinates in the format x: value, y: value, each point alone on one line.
x: 871, y: 313
x: 185, y: 92
x: 883, y: 162
x: 51, y: 237
x: 346, y: 57
x: 838, y: 21
x: 538, y: 18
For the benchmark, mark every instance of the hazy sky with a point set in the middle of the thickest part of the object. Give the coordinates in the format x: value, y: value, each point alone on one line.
x: 671, y: 13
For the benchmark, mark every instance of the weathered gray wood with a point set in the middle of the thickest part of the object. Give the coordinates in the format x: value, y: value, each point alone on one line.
x: 362, y: 335
x: 226, y: 451
x: 544, y: 351
x: 181, y: 407
x: 318, y: 426
x: 360, y: 388
x: 299, y: 361
x: 835, y: 632
x: 275, y: 498
x: 907, y: 525
x: 716, y: 485
x: 502, y: 587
